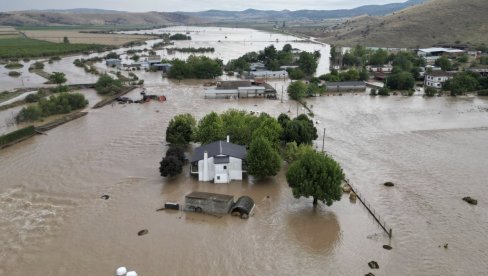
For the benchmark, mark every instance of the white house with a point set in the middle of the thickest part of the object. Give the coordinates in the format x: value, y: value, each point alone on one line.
x: 269, y: 74
x: 220, y: 162
x: 436, y: 79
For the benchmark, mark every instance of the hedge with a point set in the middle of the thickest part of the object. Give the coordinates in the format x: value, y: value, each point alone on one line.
x: 16, y: 135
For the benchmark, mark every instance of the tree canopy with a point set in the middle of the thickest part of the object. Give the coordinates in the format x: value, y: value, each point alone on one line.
x: 262, y: 159
x: 316, y: 175
x: 196, y: 67
x: 181, y: 129
x: 57, y: 78
x: 210, y: 129
x: 300, y: 130
x: 170, y: 166
x: 107, y: 85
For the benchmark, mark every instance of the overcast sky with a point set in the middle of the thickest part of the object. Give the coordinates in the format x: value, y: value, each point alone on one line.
x: 186, y: 5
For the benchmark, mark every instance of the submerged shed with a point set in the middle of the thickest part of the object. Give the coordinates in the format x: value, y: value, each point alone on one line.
x: 243, y: 207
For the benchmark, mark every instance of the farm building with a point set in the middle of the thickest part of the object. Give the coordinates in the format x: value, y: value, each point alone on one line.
x: 210, y: 203
x: 113, y: 62
x: 219, y: 161
x: 345, y: 86
x: 240, y: 89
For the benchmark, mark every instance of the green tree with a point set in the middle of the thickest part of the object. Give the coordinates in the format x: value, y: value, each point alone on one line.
x: 400, y: 80
x: 430, y: 92
x: 307, y: 63
x: 294, y: 151
x: 378, y: 58
x: 170, y: 166
x: 107, y: 85
x: 364, y: 74
x: 316, y: 175
x: 210, y: 129
x: 295, y: 73
x: 300, y: 130
x: 270, y: 129
x: 262, y: 159
x: 297, y: 90
x: 239, y: 125
x: 444, y: 63
x: 181, y: 129
x: 57, y: 78
x: 463, y: 82
x: 177, y: 152
x: 287, y: 48
x: 65, y: 40
x: 283, y: 119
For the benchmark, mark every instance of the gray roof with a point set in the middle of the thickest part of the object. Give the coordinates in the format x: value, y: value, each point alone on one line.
x: 346, y: 83
x: 219, y: 148
x: 211, y: 196
x: 243, y: 204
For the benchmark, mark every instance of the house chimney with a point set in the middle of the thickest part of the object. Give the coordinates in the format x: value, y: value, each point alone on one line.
x: 205, y: 166
x: 228, y: 139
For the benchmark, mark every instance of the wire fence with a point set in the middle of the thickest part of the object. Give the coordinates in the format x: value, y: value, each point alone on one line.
x: 371, y: 210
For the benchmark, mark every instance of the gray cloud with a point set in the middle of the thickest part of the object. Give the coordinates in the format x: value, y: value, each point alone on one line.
x: 186, y: 5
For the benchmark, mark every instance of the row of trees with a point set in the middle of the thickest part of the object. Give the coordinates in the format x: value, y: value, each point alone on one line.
x: 349, y: 75
x: 273, y: 59
x: 62, y: 104
x: 464, y: 82
x: 199, y: 67
x: 298, y: 90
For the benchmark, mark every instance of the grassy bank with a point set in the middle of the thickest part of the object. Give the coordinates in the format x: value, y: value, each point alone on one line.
x: 27, y: 47
x: 16, y: 136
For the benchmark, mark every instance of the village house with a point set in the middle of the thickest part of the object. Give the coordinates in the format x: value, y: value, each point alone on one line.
x: 436, y: 79
x: 265, y: 74
x: 220, y: 162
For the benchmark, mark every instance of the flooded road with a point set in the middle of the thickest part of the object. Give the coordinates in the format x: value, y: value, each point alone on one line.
x: 53, y: 221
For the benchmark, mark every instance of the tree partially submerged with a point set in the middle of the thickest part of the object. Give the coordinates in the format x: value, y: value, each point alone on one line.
x: 181, y: 129
x: 170, y: 166
x: 210, y: 129
x: 316, y: 175
x: 262, y: 159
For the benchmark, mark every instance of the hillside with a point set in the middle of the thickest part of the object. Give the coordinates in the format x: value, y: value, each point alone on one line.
x: 286, y: 15
x: 433, y: 22
x: 78, y: 17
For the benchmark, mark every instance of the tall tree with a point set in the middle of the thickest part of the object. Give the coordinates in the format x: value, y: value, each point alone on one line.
x: 316, y: 175
x: 170, y: 166
x: 297, y: 90
x: 181, y: 129
x: 262, y: 159
x: 307, y: 63
x: 210, y: 129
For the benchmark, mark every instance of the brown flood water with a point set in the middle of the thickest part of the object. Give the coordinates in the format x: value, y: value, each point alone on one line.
x: 53, y: 222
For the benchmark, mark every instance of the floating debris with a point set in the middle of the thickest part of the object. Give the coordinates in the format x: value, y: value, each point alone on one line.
x: 143, y: 232
x: 374, y: 265
x: 389, y: 184
x: 470, y: 200
x: 387, y: 247
x: 105, y: 197
x: 369, y: 274
x: 121, y: 271
x: 446, y: 245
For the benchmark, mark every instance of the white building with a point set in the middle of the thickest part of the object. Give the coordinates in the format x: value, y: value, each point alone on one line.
x: 436, y: 79
x: 432, y: 54
x: 220, y: 162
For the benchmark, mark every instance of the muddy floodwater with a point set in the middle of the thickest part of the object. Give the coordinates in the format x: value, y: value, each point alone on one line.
x: 53, y: 221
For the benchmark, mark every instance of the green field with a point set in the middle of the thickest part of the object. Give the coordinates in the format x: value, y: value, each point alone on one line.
x: 27, y: 47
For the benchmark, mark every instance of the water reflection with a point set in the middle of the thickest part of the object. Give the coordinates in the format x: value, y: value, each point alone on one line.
x: 316, y: 230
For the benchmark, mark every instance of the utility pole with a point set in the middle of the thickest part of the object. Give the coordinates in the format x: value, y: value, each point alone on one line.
x: 297, y: 108
x: 323, y: 142
x: 282, y: 94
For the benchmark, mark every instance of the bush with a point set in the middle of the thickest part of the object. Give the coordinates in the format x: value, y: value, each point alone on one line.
x: 59, y: 89
x: 14, y: 65
x: 57, y: 78
x: 384, y: 91
x: 32, y: 98
x: 18, y: 134
x: 61, y: 104
x: 37, y: 66
x: 430, y: 92
x: 170, y: 166
x: 14, y: 74
x: 180, y: 37
x: 106, y: 85
x: 373, y: 92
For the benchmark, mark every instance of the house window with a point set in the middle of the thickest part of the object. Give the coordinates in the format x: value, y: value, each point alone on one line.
x: 225, y: 167
x: 218, y: 177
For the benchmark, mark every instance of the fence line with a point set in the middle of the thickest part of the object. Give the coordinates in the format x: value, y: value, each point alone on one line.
x: 372, y: 211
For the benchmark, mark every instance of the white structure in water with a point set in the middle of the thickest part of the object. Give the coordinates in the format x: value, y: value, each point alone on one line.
x: 220, y: 162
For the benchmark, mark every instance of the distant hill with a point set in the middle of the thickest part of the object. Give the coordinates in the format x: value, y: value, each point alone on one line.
x: 433, y: 22
x: 94, y: 17
x: 286, y: 15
